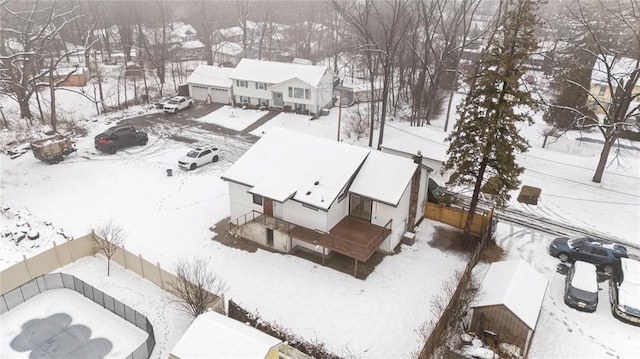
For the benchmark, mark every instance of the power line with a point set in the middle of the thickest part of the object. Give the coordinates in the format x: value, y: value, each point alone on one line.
x: 591, y: 200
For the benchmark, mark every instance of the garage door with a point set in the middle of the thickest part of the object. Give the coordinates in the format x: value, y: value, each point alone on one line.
x: 219, y: 95
x: 198, y: 92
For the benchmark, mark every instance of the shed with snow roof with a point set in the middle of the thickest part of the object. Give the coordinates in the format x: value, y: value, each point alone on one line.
x: 293, y: 190
x: 210, y: 83
x: 213, y: 335
x: 509, y: 302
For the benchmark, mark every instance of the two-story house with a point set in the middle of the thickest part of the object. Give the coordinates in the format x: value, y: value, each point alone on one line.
x: 292, y: 190
x: 611, y: 72
x: 296, y: 87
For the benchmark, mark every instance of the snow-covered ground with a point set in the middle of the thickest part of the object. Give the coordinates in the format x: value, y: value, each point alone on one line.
x: 168, y: 218
x: 232, y: 117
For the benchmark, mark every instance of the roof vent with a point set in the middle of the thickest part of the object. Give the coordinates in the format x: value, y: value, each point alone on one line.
x: 308, y: 193
x: 316, y: 183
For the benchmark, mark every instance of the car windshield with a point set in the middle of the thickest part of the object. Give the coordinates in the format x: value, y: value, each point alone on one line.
x: 172, y: 101
x: 583, y: 294
x: 193, y: 154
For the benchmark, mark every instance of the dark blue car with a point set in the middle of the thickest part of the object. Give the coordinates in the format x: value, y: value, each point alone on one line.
x: 604, y: 254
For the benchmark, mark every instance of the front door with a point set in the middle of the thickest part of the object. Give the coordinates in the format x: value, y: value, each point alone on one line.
x: 277, y: 99
x: 360, y: 207
x: 267, y: 206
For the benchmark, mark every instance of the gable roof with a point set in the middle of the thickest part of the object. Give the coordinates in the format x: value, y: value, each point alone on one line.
x: 213, y: 335
x: 211, y: 76
x: 621, y: 69
x: 273, y: 72
x: 429, y: 141
x: 516, y: 285
x: 286, y: 164
x: 384, y: 177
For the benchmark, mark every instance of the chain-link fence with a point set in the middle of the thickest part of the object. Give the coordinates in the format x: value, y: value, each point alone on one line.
x: 46, y: 282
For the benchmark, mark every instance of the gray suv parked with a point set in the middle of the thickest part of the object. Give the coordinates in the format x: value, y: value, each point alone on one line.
x: 117, y: 137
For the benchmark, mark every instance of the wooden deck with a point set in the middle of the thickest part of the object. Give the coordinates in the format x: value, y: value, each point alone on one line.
x: 352, y: 237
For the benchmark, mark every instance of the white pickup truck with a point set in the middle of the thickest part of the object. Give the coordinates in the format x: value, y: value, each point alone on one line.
x: 177, y: 103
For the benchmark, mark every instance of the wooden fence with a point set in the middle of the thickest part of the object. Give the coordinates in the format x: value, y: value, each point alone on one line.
x: 70, y: 251
x: 439, y: 330
x: 457, y: 217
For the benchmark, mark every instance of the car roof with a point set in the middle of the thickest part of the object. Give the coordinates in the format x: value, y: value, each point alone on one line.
x: 202, y: 148
x: 608, y: 245
x: 585, y: 277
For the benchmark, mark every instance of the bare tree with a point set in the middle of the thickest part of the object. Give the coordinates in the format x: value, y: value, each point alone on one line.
x: 616, y: 73
x: 381, y: 28
x: 109, y: 237
x: 196, y: 286
x: 29, y: 32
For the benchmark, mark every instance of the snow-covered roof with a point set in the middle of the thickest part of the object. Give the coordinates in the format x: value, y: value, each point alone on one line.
x: 213, y: 335
x: 194, y: 44
x: 211, y: 76
x: 517, y: 286
x: 285, y: 163
x: 383, y: 177
x: 584, y: 277
x: 227, y: 47
x: 429, y: 141
x: 629, y: 289
x: 621, y: 69
x: 273, y: 72
x: 302, y: 61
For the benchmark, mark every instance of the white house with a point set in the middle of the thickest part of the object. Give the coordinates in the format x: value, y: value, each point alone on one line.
x: 303, y: 88
x: 213, y: 335
x: 210, y: 83
x: 509, y: 303
x: 427, y: 141
x: 294, y: 190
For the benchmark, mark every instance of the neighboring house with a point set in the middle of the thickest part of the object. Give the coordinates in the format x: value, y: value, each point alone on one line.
x: 621, y: 70
x: 227, y: 52
x: 509, y: 303
x: 210, y: 83
x: 426, y: 141
x: 293, y: 190
x: 213, y: 335
x: 78, y: 77
x: 302, y: 88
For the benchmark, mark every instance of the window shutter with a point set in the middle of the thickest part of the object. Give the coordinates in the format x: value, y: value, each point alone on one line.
x: 290, y: 92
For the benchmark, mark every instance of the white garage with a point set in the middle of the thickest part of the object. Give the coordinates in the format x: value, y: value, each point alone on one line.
x: 210, y: 83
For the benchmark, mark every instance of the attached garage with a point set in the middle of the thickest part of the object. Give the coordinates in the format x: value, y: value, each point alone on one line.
x: 210, y: 83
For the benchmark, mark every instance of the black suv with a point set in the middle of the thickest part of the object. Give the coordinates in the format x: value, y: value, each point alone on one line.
x: 117, y: 137
x: 603, y: 254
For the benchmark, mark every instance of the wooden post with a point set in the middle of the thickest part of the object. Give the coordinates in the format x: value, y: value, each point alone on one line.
x: 69, y: 246
x: 160, y: 274
x: 55, y: 249
x: 355, y: 268
x: 26, y: 265
x: 141, y: 265
x: 124, y: 252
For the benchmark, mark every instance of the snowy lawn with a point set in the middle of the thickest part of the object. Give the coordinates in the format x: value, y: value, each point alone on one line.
x: 233, y: 117
x: 83, y: 323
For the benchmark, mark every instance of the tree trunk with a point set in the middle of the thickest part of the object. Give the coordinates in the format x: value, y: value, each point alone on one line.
x: 475, y: 198
x: 108, y: 266
x: 604, y: 157
x: 25, y: 111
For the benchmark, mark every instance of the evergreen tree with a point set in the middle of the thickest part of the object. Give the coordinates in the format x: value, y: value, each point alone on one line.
x: 485, y: 139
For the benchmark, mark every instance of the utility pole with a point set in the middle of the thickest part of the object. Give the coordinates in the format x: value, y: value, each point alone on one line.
x: 339, y: 107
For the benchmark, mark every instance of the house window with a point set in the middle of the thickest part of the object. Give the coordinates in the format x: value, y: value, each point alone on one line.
x: 603, y: 90
x: 301, y: 107
x: 257, y: 199
x: 261, y: 86
x: 264, y: 102
x: 244, y: 99
x: 241, y: 83
x: 296, y: 92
